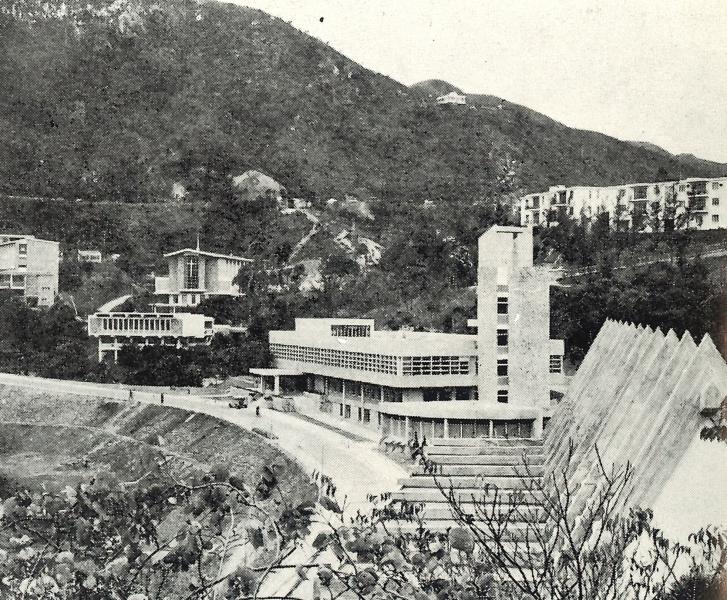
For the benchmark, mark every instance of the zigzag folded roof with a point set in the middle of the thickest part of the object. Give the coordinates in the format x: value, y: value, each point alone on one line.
x: 638, y: 397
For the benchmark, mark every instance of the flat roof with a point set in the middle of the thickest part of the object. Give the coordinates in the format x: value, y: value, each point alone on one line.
x: 399, y: 343
x: 210, y: 254
x: 272, y: 371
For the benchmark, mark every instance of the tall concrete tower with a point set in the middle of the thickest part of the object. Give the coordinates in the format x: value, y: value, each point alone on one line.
x: 514, y: 348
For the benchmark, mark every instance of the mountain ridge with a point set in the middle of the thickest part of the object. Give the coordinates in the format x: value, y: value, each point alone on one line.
x: 199, y: 93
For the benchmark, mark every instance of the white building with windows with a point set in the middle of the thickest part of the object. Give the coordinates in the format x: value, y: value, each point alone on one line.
x: 495, y: 383
x: 452, y: 98
x: 178, y: 330
x: 692, y: 203
x: 29, y: 267
x: 194, y: 275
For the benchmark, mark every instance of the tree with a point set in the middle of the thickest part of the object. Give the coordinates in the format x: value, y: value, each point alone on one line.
x: 158, y: 537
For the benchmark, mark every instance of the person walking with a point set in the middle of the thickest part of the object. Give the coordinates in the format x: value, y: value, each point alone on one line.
x: 131, y: 395
x: 162, y: 397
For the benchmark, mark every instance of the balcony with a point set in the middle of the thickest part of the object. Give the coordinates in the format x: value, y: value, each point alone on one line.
x: 698, y: 205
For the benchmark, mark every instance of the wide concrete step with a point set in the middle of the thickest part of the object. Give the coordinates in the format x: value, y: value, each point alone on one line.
x: 467, y: 495
x: 464, y: 481
x: 513, y: 541
x: 487, y: 459
x: 481, y: 441
x: 487, y: 470
x: 513, y: 533
x: 519, y: 451
x: 524, y: 514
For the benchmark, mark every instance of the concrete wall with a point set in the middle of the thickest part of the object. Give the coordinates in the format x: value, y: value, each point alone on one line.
x: 637, y: 397
x: 529, y: 338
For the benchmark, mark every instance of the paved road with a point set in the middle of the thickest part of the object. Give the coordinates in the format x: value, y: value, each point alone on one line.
x: 112, y: 304
x: 356, y: 467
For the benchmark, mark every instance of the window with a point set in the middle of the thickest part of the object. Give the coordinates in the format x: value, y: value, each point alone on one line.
x: 556, y: 363
x: 715, y: 185
x: 640, y: 192
x: 347, y: 413
x: 191, y: 272
x: 699, y: 220
x: 462, y: 393
x: 502, y: 367
x: 715, y: 218
x: 366, y: 415
x: 435, y: 365
x: 682, y: 187
x: 502, y: 305
x: 502, y: 396
x: 715, y: 201
x: 23, y: 249
x: 502, y: 337
x: 351, y: 330
x: 430, y: 395
x: 340, y: 410
x: 362, y: 361
x: 360, y: 415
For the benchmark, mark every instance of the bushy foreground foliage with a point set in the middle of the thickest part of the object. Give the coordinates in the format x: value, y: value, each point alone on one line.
x: 221, y: 535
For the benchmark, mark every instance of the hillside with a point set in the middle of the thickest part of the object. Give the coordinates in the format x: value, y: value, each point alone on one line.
x: 119, y: 107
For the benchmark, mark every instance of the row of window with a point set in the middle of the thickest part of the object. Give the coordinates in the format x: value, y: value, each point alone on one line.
x: 345, y: 359
x: 7, y: 280
x: 136, y: 324
x: 364, y: 414
x: 436, y: 365
x: 351, y: 330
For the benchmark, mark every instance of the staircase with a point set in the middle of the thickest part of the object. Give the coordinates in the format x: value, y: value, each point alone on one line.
x: 476, y: 469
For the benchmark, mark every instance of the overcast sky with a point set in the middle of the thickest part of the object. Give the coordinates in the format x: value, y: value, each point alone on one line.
x: 653, y: 70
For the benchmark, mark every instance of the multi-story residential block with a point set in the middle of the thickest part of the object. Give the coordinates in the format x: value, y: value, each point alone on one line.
x: 692, y: 203
x: 29, y: 266
x: 89, y: 256
x: 496, y: 383
x: 452, y: 98
x: 195, y: 275
x: 179, y: 330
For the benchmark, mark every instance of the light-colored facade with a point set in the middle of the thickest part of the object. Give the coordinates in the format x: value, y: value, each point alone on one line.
x: 194, y: 275
x: 29, y: 266
x: 179, y: 330
x: 692, y: 203
x: 496, y: 383
x: 452, y: 98
x: 89, y: 256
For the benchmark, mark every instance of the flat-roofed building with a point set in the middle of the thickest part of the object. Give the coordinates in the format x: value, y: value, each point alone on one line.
x: 194, y: 275
x: 496, y: 383
x: 691, y: 203
x: 29, y: 267
x: 89, y: 256
x: 179, y: 330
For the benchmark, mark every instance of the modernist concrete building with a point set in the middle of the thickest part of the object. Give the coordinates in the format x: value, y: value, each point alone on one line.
x: 694, y: 203
x: 496, y: 383
x: 195, y: 275
x: 29, y: 266
x: 180, y: 330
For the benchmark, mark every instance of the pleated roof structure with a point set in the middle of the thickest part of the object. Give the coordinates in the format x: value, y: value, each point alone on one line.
x: 640, y: 398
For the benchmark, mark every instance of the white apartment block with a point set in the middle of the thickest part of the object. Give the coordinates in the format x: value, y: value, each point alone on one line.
x: 178, y: 330
x: 692, y: 203
x: 29, y: 267
x: 194, y: 275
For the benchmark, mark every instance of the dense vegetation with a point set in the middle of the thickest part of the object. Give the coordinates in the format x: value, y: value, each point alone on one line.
x: 167, y: 536
x: 119, y: 101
